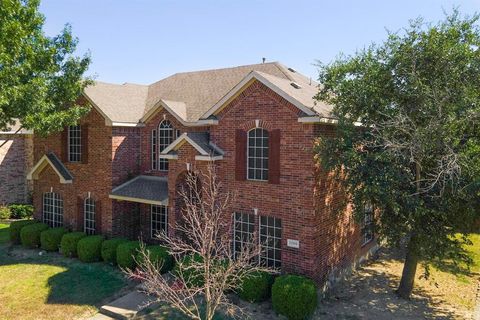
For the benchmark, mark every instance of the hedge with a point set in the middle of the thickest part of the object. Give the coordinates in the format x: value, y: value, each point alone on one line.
x: 30, y: 234
x: 5, y: 213
x: 256, y: 287
x: 68, y: 245
x: 50, y: 238
x: 126, y: 253
x: 159, y: 256
x: 15, y: 228
x: 294, y: 296
x: 89, y: 249
x: 21, y: 211
x: 109, y: 249
x: 193, y: 278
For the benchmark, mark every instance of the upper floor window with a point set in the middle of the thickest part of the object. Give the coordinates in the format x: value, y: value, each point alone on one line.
x: 52, y: 209
x: 257, y: 154
x: 367, y: 224
x: 74, y: 143
x: 165, y: 138
x: 89, y: 216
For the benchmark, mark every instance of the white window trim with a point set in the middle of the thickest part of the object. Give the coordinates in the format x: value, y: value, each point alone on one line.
x: 159, y: 139
x: 79, y: 144
x: 152, y: 235
x: 266, y: 246
x: 154, y: 149
x: 248, y: 154
x: 56, y: 202
x: 93, y: 221
x: 235, y: 229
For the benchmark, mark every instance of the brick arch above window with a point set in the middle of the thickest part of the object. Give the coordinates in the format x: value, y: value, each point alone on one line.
x: 252, y: 124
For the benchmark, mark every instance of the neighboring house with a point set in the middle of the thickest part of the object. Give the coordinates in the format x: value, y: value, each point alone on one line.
x: 119, y: 170
x: 16, y: 159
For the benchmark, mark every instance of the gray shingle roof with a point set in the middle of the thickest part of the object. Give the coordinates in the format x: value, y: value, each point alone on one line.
x: 201, y: 142
x: 146, y: 189
x: 59, y: 166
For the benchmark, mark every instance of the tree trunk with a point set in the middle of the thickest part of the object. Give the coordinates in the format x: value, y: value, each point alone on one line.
x: 409, y: 270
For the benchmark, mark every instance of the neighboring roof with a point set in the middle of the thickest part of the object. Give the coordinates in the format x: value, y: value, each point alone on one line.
x: 57, y: 165
x: 200, y: 141
x: 190, y: 95
x: 143, y: 189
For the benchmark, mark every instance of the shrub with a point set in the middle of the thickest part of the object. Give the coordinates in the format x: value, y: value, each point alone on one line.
x: 5, y: 213
x: 192, y: 277
x: 50, y: 238
x: 126, y: 253
x: 21, y: 211
x: 15, y: 228
x: 30, y: 234
x: 109, y: 249
x: 294, y: 296
x: 68, y: 245
x: 89, y: 249
x: 159, y: 256
x: 256, y: 287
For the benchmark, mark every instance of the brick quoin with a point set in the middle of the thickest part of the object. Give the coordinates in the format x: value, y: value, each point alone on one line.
x: 311, y: 203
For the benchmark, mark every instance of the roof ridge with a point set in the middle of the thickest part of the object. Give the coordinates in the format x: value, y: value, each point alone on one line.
x: 283, y: 70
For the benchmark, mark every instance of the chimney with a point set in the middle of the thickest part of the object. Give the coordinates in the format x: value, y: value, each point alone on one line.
x: 263, y: 60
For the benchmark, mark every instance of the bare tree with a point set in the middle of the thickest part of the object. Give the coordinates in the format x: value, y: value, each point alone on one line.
x: 206, y: 265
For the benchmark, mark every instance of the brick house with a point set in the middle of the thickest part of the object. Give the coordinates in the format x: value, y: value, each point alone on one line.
x: 118, y: 171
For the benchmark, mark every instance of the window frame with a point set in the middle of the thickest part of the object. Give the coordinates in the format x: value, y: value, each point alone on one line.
x: 89, y: 223
x: 277, y: 238
x: 247, y: 219
x: 154, y: 150
x: 264, y: 160
x: 367, y: 230
x: 76, y: 155
x: 53, y: 217
x: 163, y: 141
x: 163, y: 212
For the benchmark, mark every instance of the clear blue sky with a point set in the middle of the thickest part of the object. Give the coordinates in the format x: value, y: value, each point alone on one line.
x: 141, y: 41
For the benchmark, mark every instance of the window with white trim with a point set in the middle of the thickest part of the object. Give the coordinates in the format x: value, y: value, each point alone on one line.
x: 367, y: 224
x: 89, y: 216
x: 52, y: 209
x: 270, y: 236
x: 243, y: 231
x: 257, y: 154
x: 74, y: 143
x: 158, y: 219
x: 154, y: 150
x: 165, y: 138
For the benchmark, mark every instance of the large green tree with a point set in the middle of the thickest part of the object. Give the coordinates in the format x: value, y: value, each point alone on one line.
x: 408, y: 137
x: 40, y: 78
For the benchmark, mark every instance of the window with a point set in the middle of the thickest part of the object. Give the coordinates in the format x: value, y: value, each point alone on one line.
x: 159, y: 219
x: 74, y: 144
x: 367, y: 224
x: 257, y: 154
x: 165, y: 138
x: 154, y: 150
x: 89, y: 216
x: 52, y: 209
x: 244, y: 226
x: 270, y: 241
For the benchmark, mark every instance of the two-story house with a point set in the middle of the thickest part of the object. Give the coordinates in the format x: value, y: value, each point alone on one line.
x: 119, y: 170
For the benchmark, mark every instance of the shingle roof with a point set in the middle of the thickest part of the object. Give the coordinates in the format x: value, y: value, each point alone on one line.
x: 201, y: 141
x: 144, y: 189
x: 192, y: 94
x: 59, y: 166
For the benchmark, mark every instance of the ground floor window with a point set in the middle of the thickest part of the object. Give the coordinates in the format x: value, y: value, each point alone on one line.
x: 89, y: 216
x: 367, y: 224
x: 270, y: 241
x: 159, y: 216
x: 52, y: 209
x: 243, y: 231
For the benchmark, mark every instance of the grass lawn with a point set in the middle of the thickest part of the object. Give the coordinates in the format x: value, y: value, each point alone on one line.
x: 51, y: 286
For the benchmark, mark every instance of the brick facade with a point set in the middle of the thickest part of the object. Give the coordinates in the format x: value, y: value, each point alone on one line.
x: 306, y: 199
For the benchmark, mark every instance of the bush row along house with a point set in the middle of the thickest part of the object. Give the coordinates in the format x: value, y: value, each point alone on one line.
x: 119, y: 171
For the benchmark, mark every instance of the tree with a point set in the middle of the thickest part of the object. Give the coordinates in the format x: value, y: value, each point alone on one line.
x: 206, y: 265
x: 408, y: 137
x: 40, y: 78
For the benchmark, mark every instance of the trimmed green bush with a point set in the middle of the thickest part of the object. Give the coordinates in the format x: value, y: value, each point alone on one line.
x: 68, y: 245
x: 5, y: 213
x: 30, y: 234
x: 89, y: 249
x: 256, y: 287
x: 50, y: 238
x: 192, y: 277
x: 126, y: 253
x: 15, y: 228
x: 158, y: 255
x: 21, y: 211
x: 109, y: 249
x: 294, y: 296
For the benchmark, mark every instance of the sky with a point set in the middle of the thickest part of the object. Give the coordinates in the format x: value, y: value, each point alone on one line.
x: 142, y: 41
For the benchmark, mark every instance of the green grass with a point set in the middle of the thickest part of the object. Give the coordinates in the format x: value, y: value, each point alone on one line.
x: 51, y: 286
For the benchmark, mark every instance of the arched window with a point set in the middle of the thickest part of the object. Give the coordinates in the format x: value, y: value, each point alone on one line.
x: 52, y: 209
x: 257, y: 154
x: 165, y: 138
x: 89, y: 216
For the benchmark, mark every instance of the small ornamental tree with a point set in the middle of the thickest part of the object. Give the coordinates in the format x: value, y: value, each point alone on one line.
x: 40, y: 78
x: 206, y: 266
x: 408, y: 137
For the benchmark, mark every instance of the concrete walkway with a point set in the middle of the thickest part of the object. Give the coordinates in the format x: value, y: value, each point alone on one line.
x: 125, y: 307
x: 476, y: 312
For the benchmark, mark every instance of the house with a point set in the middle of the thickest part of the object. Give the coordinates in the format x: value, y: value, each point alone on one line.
x: 119, y: 170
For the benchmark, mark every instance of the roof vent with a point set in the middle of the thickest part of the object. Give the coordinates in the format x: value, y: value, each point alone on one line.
x: 291, y: 70
x: 295, y: 85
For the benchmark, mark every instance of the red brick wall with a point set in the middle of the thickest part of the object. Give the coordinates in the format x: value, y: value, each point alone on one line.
x: 126, y: 152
